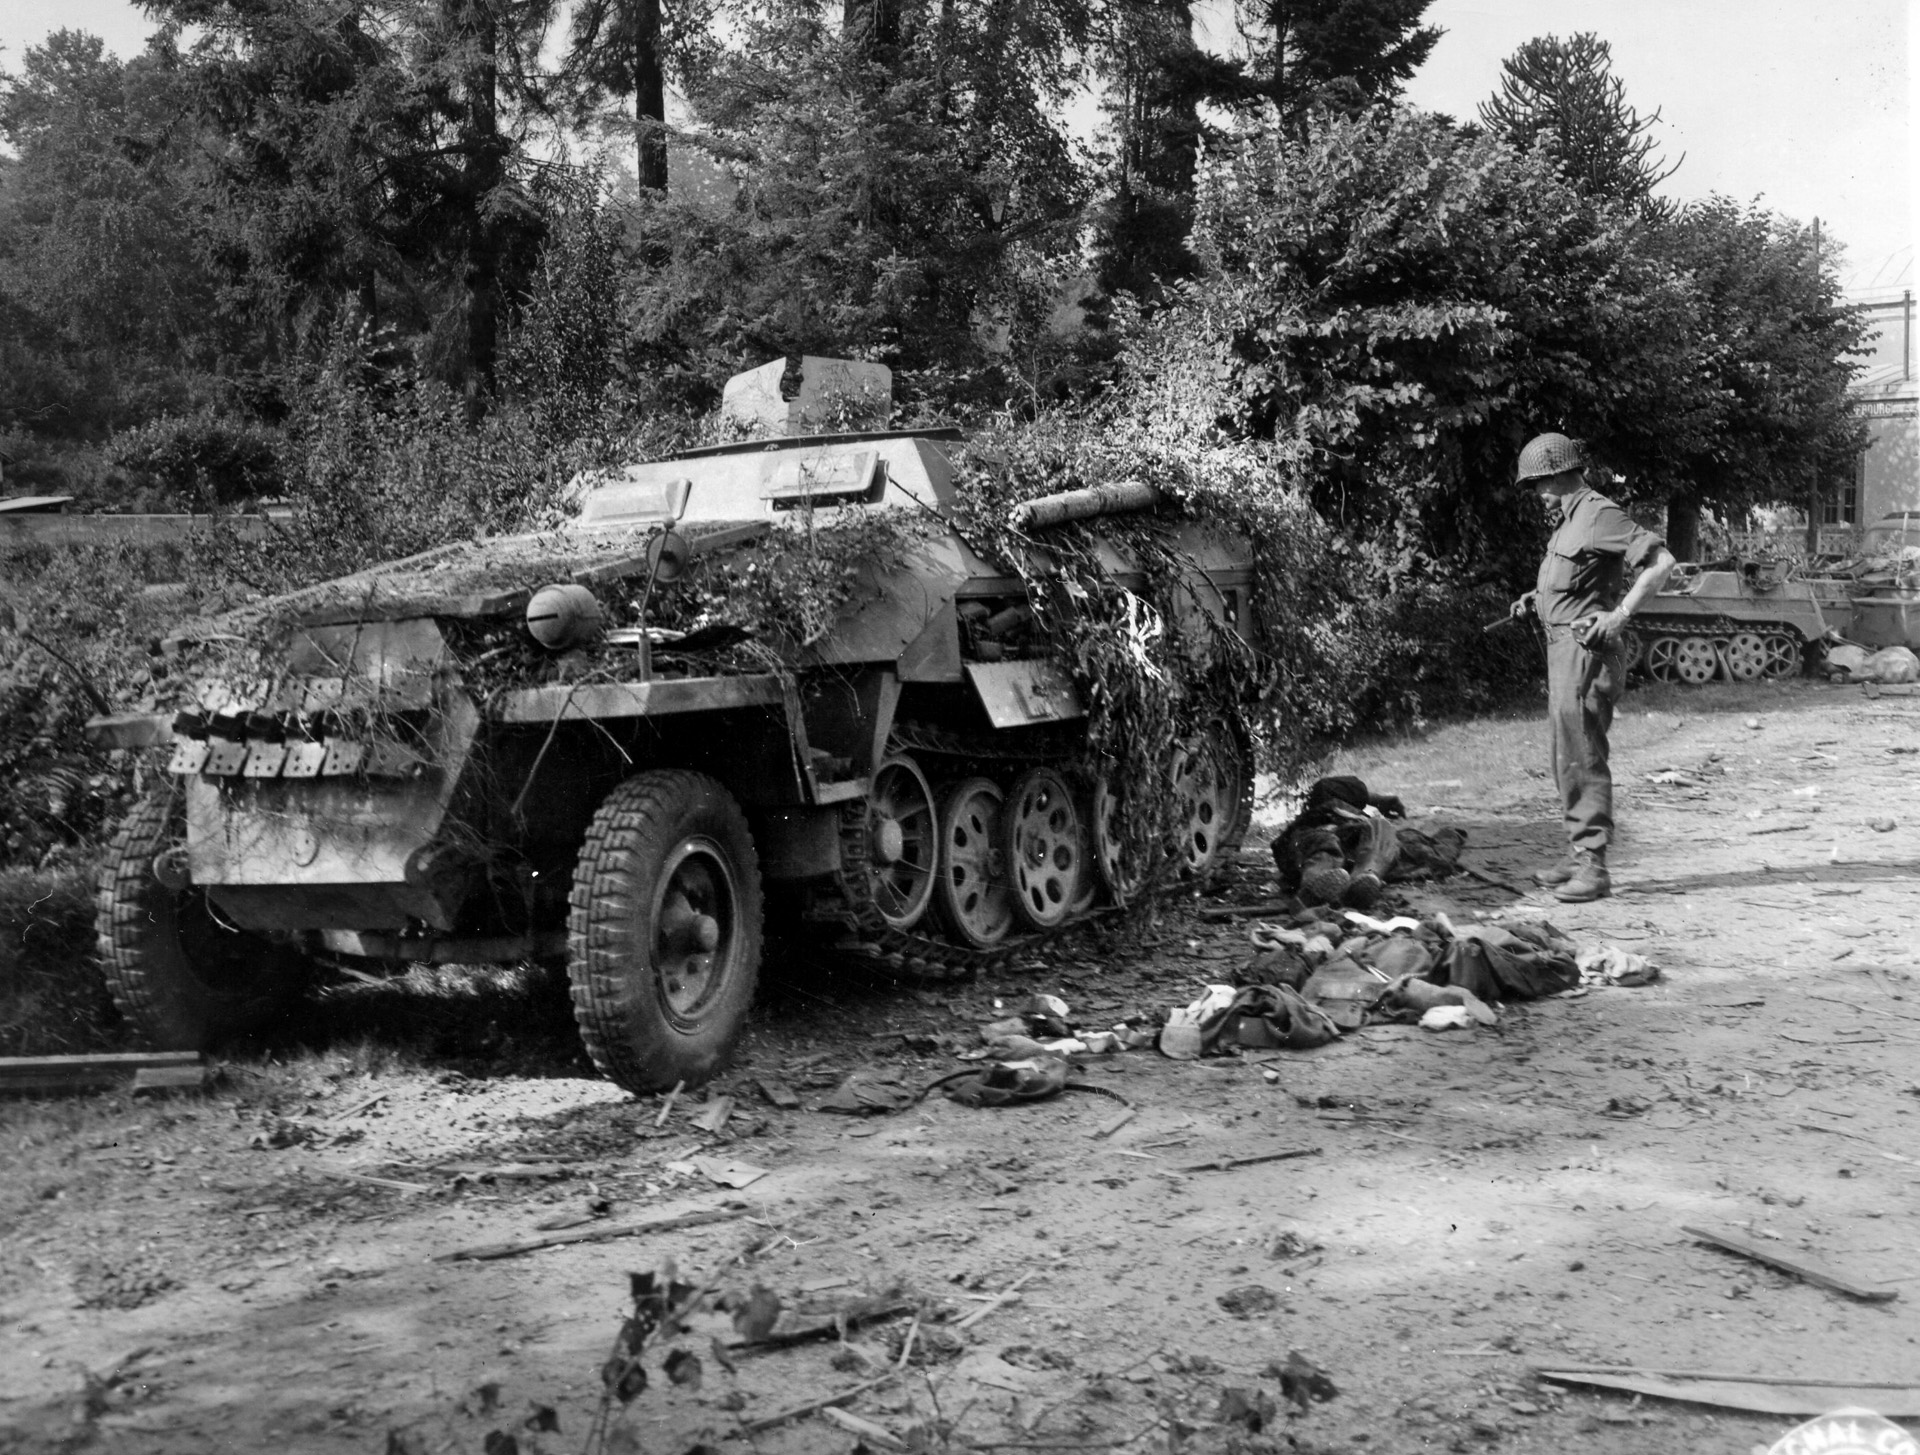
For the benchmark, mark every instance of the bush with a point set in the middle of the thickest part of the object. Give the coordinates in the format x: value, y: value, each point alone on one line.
x: 201, y: 459
x: 53, y: 1000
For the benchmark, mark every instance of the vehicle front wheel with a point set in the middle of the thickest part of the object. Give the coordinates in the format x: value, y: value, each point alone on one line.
x: 183, y: 976
x: 663, y: 941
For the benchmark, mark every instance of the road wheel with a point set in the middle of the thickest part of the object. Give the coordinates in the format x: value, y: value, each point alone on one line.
x: 1633, y: 647
x: 663, y: 942
x: 183, y: 976
x: 1746, y: 656
x: 903, y: 841
x: 1213, y: 787
x: 1121, y: 867
x: 1044, y: 849
x: 1696, y: 661
x: 1663, y: 655
x: 1784, y: 658
x: 972, y: 891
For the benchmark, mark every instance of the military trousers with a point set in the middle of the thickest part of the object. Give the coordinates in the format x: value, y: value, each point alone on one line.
x: 1582, y: 688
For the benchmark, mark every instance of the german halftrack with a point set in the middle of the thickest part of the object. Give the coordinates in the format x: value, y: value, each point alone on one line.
x: 1740, y: 620
x: 535, y: 747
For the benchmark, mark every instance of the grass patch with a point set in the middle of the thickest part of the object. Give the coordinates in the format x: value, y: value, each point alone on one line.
x: 53, y: 1000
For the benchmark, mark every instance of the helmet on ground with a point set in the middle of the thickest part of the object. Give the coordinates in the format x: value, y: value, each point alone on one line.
x: 1549, y: 454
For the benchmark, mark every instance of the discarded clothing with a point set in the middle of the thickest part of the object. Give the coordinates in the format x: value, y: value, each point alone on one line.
x: 1345, y: 990
x: 1422, y: 997
x: 1001, y: 1083
x: 1611, y: 965
x: 1427, y: 855
x: 1496, y: 964
x: 1269, y: 1017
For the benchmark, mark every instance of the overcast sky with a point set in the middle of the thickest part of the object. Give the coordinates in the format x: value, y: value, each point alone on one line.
x: 1807, y: 104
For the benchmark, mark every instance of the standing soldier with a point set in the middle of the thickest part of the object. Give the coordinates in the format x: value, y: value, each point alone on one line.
x: 1579, y: 600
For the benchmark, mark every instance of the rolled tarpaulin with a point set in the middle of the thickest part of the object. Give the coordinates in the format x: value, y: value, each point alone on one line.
x: 1120, y: 498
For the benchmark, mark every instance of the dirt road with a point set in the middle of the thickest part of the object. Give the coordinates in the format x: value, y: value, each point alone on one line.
x: 252, y: 1270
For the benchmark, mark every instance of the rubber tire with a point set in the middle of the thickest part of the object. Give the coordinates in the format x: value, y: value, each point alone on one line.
x: 628, y: 1030
x: 162, y: 949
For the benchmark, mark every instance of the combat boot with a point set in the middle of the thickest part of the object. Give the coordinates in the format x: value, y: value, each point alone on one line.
x: 1589, y: 879
x: 1323, y: 868
x: 1373, y: 856
x: 1555, y: 875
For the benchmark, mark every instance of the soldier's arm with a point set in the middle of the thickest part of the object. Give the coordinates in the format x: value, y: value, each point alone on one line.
x: 1651, y: 578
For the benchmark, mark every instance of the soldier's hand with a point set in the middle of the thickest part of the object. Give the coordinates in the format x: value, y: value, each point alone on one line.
x: 1522, y: 607
x: 1603, y: 630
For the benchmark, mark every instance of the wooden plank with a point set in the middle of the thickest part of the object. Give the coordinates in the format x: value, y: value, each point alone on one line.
x: 149, y: 1080
x: 1805, y: 1268
x: 1787, y: 1396
x: 42, y: 1075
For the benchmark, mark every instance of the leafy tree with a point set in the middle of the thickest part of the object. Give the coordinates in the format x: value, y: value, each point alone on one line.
x: 106, y: 305
x: 375, y: 172
x: 1774, y: 341
x: 1396, y: 306
x: 622, y: 48
x: 1156, y: 80
x: 876, y: 199
x: 1563, y: 94
x: 1341, y: 55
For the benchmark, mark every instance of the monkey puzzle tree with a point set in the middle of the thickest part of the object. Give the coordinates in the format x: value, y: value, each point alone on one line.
x: 1563, y: 93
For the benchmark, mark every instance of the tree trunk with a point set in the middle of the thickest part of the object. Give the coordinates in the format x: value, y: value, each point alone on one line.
x: 485, y: 170
x: 1683, y: 527
x: 649, y: 97
x: 871, y: 28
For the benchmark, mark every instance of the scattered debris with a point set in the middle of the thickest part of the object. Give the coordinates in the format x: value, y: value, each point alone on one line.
x: 773, y: 1421
x: 362, y: 1107
x: 1610, y: 965
x: 1303, y: 1382
x: 1756, y: 1393
x: 599, y: 1234
x: 867, y: 1430
x: 868, y: 1091
x: 1253, y: 1410
x: 1811, y: 1271
x: 1222, y: 1164
x: 715, y: 1116
x: 728, y: 1172
x: 1248, y: 1300
x: 1007, y: 1295
x: 666, y: 1103
x: 778, y: 1093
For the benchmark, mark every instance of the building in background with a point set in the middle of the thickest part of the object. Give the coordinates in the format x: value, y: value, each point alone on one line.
x: 1886, y: 478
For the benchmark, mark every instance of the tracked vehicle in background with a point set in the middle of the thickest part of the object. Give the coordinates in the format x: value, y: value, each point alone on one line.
x: 1741, y: 621
x: 493, y: 751
x: 1746, y: 619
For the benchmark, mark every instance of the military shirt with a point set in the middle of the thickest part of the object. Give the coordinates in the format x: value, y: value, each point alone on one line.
x: 1584, y: 569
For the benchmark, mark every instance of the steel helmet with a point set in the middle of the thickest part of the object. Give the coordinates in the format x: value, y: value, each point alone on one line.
x: 1549, y: 454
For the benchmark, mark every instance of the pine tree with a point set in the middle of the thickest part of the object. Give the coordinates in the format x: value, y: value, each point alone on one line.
x: 1564, y: 93
x: 1345, y: 54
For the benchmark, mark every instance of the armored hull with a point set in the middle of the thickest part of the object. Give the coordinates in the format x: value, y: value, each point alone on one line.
x: 549, y: 746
